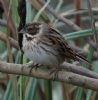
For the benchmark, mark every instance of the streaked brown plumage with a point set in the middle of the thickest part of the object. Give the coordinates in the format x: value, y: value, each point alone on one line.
x: 45, y: 45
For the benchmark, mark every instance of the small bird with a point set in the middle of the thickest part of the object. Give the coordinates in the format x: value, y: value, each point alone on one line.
x: 44, y: 45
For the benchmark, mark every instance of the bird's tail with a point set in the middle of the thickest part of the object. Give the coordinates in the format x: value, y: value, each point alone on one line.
x: 75, y: 56
x: 81, y: 58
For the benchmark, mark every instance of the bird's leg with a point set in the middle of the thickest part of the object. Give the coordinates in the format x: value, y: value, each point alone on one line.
x: 32, y: 65
x: 36, y: 66
x: 54, y: 72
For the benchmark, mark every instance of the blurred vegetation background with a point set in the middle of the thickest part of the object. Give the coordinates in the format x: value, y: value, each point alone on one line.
x: 14, y: 87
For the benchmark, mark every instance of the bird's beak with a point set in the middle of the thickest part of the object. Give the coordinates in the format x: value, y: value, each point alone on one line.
x: 22, y: 31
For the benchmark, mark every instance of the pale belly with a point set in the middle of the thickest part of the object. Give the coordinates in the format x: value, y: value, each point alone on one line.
x: 41, y: 56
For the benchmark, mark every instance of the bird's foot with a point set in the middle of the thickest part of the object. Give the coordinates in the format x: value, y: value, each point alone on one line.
x: 35, y: 66
x: 54, y: 73
x: 32, y: 66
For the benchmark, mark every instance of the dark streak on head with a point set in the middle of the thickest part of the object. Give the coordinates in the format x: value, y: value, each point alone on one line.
x: 33, y: 28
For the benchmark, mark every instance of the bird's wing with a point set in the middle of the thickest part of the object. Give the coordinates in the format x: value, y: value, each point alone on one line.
x: 59, y: 42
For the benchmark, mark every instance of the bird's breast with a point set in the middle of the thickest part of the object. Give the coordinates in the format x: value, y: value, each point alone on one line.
x: 40, y: 53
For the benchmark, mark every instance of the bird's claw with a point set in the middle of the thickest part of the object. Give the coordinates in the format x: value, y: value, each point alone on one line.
x: 34, y: 66
x: 54, y: 73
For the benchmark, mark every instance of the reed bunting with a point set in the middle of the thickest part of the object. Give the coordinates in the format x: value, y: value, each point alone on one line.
x: 45, y: 45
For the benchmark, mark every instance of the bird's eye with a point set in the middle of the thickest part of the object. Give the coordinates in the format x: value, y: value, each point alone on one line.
x: 32, y: 29
x: 29, y: 29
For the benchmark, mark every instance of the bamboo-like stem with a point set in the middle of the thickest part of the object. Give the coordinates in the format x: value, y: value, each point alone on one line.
x: 63, y: 76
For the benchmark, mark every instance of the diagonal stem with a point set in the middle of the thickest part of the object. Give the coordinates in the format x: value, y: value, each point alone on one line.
x: 92, y: 22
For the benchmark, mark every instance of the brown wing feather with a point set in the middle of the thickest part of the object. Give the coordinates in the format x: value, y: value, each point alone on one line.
x: 64, y: 48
